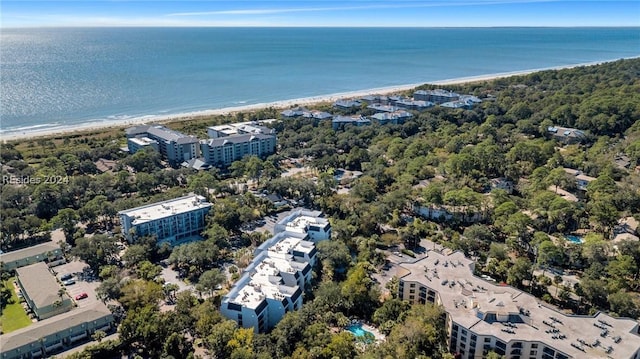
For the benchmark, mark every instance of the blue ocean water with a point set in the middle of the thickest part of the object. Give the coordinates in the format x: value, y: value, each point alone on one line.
x: 68, y: 76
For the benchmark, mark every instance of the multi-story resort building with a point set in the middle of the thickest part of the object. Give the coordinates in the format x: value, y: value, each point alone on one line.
x: 231, y: 142
x: 436, y: 96
x: 174, y: 221
x: 241, y: 128
x: 56, y: 334
x: 223, y: 151
x: 396, y: 118
x: 174, y: 146
x: 273, y: 283
x: 482, y: 316
x: 417, y: 105
x: 308, y: 222
x: 339, y: 122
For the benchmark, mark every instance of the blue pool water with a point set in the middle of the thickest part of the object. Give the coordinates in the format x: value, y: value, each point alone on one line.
x: 357, y: 330
x: 574, y: 239
x: 360, y: 333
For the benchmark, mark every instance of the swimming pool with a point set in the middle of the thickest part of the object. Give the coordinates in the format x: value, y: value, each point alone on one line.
x: 361, y: 334
x: 573, y: 239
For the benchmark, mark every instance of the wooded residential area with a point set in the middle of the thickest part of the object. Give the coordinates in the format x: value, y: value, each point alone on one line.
x: 495, y: 182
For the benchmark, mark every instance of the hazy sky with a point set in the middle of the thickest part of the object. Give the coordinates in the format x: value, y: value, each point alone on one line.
x: 425, y: 13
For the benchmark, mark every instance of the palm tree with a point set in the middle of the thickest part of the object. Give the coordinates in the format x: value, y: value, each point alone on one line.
x: 557, y: 280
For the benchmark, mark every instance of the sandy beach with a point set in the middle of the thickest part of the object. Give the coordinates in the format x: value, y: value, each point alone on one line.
x: 284, y: 104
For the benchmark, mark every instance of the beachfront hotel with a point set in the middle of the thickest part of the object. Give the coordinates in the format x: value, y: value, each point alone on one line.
x: 174, y: 221
x: 241, y: 128
x: 232, y: 142
x: 221, y: 152
x: 436, y: 96
x: 273, y: 283
x: 482, y: 316
x: 175, y: 147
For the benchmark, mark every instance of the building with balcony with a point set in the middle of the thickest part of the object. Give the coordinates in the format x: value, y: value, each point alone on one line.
x: 273, y: 283
x: 175, y: 147
x: 41, y: 291
x: 340, y: 122
x: 281, y: 270
x: 482, y: 316
x: 57, y: 334
x: 241, y: 128
x: 174, y: 221
x: 436, y: 96
x: 396, y: 118
x: 223, y: 151
x: 306, y: 222
x: 46, y: 252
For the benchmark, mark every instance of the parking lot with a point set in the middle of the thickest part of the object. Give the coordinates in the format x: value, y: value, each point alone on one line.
x: 270, y: 221
x: 83, y: 282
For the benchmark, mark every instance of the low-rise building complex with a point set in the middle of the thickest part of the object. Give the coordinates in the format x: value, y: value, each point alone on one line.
x: 174, y: 221
x: 41, y: 291
x: 47, y: 252
x: 56, y: 334
x: 339, y: 122
x: 482, y: 316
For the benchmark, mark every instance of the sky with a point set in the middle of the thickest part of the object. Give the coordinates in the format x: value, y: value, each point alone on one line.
x: 316, y: 13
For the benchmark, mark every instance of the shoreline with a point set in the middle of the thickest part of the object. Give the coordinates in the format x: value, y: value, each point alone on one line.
x: 11, y: 136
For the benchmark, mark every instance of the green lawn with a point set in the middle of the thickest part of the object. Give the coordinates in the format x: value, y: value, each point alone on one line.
x: 13, y: 316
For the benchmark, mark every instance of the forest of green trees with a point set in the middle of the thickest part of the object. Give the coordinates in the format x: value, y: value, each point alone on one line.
x: 441, y: 157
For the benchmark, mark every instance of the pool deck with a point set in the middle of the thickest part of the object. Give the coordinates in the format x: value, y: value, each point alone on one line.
x: 373, y: 330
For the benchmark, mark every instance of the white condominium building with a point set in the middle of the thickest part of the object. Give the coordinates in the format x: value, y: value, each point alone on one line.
x: 273, y: 283
x: 307, y: 222
x: 174, y: 221
x: 483, y: 316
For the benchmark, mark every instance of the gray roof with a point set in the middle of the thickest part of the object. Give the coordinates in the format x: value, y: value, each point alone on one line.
x: 215, y: 142
x: 137, y: 130
x: 196, y: 163
x: 36, y: 250
x: 41, y: 286
x: 162, y: 133
x: 350, y: 119
x: 53, y: 325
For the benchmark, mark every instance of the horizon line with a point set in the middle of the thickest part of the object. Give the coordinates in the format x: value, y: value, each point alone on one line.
x: 322, y: 26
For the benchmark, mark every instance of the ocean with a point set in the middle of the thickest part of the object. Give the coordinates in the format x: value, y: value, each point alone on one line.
x: 64, y: 77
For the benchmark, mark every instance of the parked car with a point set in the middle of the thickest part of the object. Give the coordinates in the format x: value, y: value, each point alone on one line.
x: 81, y: 296
x: 69, y: 282
x: 66, y: 276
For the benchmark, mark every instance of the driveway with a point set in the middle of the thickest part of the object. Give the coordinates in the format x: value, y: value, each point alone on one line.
x: 270, y: 221
x: 171, y: 276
